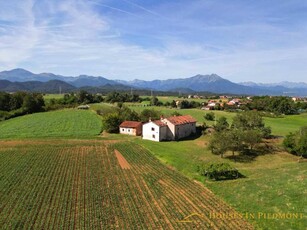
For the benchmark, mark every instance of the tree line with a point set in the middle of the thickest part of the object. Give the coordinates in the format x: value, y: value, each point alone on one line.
x: 246, y: 131
x: 20, y: 103
x: 276, y: 105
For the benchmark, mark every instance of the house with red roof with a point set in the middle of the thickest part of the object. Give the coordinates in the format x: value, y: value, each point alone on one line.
x: 171, y: 128
x: 131, y: 128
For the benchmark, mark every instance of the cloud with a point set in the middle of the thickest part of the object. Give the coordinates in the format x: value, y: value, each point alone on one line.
x: 19, y: 33
x: 100, y: 37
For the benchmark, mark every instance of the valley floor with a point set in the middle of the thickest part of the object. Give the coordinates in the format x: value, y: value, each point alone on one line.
x: 98, y: 184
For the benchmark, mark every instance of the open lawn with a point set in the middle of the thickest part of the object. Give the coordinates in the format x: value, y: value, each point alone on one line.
x: 173, y: 98
x: 105, y: 107
x: 273, y: 183
x: 100, y: 185
x: 280, y: 126
x: 290, y: 123
x: 114, y: 181
x: 53, y: 96
x: 61, y: 123
x: 198, y: 114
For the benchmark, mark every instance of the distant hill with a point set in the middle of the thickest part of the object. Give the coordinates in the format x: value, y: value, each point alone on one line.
x: 198, y: 83
x: 20, y: 79
x: 52, y: 86
x: 285, y: 84
x: 281, y: 88
x: 21, y: 75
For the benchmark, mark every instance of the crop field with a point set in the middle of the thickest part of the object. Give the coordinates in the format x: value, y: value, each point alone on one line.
x: 100, y: 185
x: 62, y: 123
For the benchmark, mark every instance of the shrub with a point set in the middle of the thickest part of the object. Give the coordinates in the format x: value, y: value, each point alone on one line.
x: 209, y: 116
x: 218, y: 171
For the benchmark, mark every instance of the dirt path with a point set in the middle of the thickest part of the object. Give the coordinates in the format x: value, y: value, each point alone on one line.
x: 121, y: 160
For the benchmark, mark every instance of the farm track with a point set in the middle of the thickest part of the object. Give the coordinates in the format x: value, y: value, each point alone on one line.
x: 82, y: 185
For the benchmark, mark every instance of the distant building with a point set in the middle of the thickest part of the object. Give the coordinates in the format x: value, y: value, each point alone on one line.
x: 296, y: 99
x: 83, y: 107
x: 171, y: 128
x: 131, y: 128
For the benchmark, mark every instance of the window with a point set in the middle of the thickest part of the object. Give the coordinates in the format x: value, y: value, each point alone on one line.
x: 153, y: 136
x: 123, y: 130
x: 152, y: 129
x: 128, y: 130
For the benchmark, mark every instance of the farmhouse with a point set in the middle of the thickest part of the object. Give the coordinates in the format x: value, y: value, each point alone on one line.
x: 155, y: 130
x: 131, y: 128
x: 171, y: 128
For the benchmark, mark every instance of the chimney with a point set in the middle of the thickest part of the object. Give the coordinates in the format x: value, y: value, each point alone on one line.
x: 149, y: 119
x: 162, y: 117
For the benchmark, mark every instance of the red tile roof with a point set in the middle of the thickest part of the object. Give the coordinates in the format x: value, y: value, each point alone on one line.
x: 159, y: 123
x: 180, y: 120
x: 130, y: 124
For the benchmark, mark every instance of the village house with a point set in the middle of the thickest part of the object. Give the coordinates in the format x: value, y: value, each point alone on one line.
x: 171, y: 128
x: 131, y: 128
x: 155, y: 130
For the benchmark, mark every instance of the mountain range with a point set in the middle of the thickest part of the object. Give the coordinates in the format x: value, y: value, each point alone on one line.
x: 20, y: 79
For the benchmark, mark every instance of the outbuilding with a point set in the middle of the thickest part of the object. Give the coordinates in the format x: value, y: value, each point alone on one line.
x: 131, y: 128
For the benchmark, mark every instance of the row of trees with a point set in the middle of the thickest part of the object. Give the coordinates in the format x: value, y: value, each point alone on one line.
x: 246, y: 131
x: 122, y: 97
x: 112, y: 119
x: 20, y: 103
x: 73, y: 99
x: 276, y: 105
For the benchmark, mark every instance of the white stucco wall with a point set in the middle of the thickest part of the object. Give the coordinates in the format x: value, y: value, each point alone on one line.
x: 153, y: 132
x: 129, y: 131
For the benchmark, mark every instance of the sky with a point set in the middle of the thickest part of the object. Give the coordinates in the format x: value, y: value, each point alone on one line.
x: 240, y: 40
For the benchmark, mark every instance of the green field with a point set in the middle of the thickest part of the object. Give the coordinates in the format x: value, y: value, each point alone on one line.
x: 274, y: 183
x: 290, y: 123
x: 62, y: 123
x: 280, y: 126
x: 173, y: 98
x: 99, y: 185
x: 47, y: 97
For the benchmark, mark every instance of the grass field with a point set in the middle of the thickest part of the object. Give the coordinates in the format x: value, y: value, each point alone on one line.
x: 280, y: 126
x: 100, y: 185
x: 274, y: 183
x: 53, y: 96
x: 62, y: 123
x: 79, y: 184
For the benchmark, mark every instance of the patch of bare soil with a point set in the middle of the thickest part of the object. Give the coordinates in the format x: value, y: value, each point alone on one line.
x: 121, y: 160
